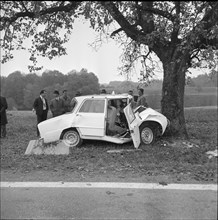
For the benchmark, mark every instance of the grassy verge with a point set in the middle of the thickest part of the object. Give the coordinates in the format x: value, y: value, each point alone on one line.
x: 169, y: 160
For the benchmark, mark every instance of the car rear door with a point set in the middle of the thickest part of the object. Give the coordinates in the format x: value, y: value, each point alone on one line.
x: 90, y: 118
x: 133, y: 125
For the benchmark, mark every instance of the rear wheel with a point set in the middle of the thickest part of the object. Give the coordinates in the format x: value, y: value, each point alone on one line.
x: 71, y: 138
x: 147, y: 134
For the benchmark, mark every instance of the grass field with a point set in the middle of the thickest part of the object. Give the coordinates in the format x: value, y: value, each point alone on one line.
x: 168, y: 160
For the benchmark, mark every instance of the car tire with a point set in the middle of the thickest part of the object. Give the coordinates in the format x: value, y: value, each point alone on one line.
x: 147, y: 134
x: 71, y: 138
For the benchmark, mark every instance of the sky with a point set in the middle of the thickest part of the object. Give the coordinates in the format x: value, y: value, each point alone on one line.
x: 103, y: 63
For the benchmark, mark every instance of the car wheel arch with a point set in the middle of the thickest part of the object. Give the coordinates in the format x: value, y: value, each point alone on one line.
x: 68, y: 129
x: 148, y: 132
x: 152, y: 124
x: 76, y: 142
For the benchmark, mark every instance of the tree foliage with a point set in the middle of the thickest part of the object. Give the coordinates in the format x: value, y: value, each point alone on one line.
x: 144, y: 28
x: 190, y: 25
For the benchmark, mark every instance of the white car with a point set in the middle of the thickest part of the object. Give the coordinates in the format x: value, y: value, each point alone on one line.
x: 106, y: 118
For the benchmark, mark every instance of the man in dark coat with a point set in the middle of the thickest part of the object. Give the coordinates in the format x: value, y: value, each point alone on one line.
x: 66, y: 100
x: 40, y: 106
x: 3, y: 116
x: 57, y: 105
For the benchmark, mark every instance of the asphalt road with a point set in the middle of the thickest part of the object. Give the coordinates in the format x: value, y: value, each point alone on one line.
x: 107, y: 203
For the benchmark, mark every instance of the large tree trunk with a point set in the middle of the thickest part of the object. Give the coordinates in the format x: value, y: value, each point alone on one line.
x: 172, y: 103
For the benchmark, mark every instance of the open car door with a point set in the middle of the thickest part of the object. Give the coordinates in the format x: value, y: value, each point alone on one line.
x: 133, y: 125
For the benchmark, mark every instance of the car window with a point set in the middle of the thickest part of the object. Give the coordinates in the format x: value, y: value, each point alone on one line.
x: 93, y: 106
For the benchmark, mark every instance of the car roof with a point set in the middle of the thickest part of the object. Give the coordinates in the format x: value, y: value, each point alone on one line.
x: 103, y: 96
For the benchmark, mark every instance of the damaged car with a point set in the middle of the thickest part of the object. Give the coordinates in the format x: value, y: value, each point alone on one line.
x: 105, y: 117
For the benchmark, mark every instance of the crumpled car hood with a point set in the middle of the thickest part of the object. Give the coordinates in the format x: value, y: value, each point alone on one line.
x: 150, y: 114
x: 149, y: 111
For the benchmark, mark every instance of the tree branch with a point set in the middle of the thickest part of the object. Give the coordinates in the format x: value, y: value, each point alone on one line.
x: 211, y: 16
x: 204, y: 43
x: 195, y: 54
x: 147, y: 19
x: 116, y: 32
x: 22, y: 4
x: 209, y: 20
x: 156, y: 11
x: 62, y: 8
x: 129, y: 29
x: 146, y: 56
x: 176, y: 23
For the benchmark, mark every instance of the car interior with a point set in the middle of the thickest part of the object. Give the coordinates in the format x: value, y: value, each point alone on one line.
x: 116, y: 120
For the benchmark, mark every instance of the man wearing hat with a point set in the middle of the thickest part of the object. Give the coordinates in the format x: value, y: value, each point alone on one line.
x: 57, y: 105
x: 66, y: 100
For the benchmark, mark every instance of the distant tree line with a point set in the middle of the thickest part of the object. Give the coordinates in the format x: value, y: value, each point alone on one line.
x: 21, y: 89
x: 155, y: 86
x: 199, y: 91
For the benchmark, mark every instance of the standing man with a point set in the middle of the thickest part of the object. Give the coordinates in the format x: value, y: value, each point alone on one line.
x: 57, y: 105
x: 3, y: 116
x: 103, y: 91
x: 132, y: 101
x: 40, y: 106
x: 141, y: 99
x: 130, y: 92
x: 66, y: 100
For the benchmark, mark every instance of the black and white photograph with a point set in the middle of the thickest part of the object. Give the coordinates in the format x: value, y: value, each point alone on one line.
x: 108, y: 110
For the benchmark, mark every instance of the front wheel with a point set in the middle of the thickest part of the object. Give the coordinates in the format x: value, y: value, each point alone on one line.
x: 147, y: 135
x: 72, y: 138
